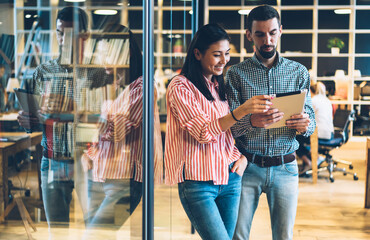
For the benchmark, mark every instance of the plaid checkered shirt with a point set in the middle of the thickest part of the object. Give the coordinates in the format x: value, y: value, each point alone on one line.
x: 250, y: 78
x: 52, y: 78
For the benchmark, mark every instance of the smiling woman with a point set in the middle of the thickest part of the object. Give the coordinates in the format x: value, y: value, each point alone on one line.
x: 200, y: 154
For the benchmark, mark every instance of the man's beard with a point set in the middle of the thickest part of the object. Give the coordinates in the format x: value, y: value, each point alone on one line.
x: 267, y: 55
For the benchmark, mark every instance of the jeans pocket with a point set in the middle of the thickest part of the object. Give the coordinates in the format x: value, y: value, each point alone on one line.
x: 291, y: 167
x: 239, y: 175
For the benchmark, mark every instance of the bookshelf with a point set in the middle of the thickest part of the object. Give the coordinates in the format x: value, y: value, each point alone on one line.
x: 307, y: 26
x: 106, y: 54
x: 172, y: 31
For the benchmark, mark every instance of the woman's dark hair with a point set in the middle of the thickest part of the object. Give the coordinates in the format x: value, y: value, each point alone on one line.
x: 67, y: 14
x: 136, y: 58
x: 262, y: 13
x: 192, y: 69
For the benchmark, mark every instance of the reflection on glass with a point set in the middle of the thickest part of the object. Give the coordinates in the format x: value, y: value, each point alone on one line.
x: 91, y: 118
x: 114, y: 161
x: 53, y: 81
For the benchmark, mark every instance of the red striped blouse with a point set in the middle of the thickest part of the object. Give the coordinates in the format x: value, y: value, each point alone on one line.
x: 118, y: 154
x: 194, y: 139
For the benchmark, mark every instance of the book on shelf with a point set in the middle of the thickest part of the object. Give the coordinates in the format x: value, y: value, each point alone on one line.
x: 57, y: 98
x: 93, y: 99
x: 110, y: 51
x: 66, y: 55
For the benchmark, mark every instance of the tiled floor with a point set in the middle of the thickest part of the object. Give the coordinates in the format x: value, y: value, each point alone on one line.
x: 325, y: 211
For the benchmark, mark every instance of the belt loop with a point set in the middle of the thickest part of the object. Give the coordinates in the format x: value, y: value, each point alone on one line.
x: 282, y: 160
x: 253, y: 157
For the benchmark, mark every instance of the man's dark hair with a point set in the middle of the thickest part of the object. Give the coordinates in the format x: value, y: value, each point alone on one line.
x: 192, y: 68
x: 67, y: 14
x: 262, y: 13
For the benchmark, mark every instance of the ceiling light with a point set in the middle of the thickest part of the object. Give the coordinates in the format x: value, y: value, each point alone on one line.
x: 174, y: 36
x: 342, y: 11
x: 35, y: 16
x: 191, y: 12
x: 74, y: 0
x: 28, y: 16
x: 244, y: 11
x: 105, y: 12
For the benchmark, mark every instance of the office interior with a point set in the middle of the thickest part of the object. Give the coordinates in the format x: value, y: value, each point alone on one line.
x: 329, y: 37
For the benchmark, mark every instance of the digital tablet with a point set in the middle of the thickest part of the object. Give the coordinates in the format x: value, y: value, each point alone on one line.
x: 29, y: 102
x: 290, y: 103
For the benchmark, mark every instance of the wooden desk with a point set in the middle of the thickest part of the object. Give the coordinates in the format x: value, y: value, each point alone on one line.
x: 10, y: 148
x: 367, y: 190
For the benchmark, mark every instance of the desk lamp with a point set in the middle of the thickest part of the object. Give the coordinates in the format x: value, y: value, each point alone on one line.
x: 12, y: 83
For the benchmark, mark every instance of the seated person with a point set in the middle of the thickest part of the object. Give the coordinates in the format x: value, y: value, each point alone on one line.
x: 324, y: 122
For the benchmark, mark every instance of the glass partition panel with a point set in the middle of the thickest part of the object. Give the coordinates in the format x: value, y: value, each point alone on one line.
x: 173, y: 28
x: 83, y: 65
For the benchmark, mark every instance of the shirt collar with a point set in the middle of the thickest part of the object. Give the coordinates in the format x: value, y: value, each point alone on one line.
x: 211, y: 83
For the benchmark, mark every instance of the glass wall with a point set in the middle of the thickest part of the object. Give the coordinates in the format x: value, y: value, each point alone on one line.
x: 79, y: 66
x: 82, y: 115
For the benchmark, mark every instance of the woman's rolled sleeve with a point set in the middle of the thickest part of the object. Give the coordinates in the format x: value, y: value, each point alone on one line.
x: 191, y: 116
x: 203, y: 130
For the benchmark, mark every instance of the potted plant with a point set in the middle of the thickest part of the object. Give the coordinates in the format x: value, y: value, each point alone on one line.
x: 335, y: 44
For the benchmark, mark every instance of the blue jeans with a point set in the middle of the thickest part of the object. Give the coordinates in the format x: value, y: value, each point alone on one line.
x: 212, y: 209
x: 56, y: 191
x: 280, y: 184
x: 104, y: 195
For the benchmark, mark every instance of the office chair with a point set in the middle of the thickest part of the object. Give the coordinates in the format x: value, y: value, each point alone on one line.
x: 341, y: 121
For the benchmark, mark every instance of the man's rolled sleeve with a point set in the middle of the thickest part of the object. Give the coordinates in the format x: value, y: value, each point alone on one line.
x: 305, y: 76
x: 242, y: 126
